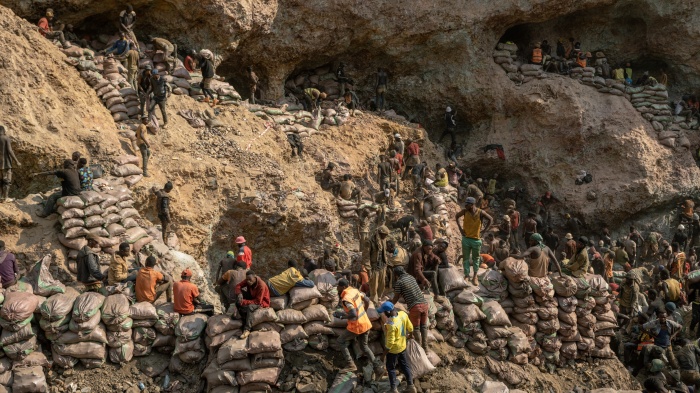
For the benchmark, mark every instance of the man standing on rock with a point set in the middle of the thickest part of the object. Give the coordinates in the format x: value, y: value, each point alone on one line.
x: 132, y: 66
x: 206, y: 64
x: 252, y: 84
x: 378, y: 260
x: 143, y: 144
x: 470, y: 229
x: 450, y: 124
x: 163, y: 208
x: 382, y: 80
x: 355, y: 305
x: 6, y: 159
x: 161, y: 92
x: 144, y: 87
x: 70, y: 186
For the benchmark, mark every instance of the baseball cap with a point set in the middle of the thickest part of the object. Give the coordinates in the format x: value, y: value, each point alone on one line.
x: 470, y: 201
x: 386, y: 306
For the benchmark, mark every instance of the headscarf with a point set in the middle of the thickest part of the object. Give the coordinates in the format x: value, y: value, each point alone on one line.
x: 207, y: 54
x: 538, y: 238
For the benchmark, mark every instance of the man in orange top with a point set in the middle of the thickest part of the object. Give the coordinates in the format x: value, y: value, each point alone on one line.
x: 185, y: 294
x: 244, y: 252
x: 150, y: 284
x: 46, y: 30
x: 536, y: 54
x: 355, y: 305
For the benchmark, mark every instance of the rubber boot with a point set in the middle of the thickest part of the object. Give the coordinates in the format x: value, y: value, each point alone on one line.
x: 424, y: 338
x: 6, y: 193
x: 418, y: 336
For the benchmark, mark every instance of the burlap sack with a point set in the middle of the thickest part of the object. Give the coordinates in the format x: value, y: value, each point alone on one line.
x: 259, y: 342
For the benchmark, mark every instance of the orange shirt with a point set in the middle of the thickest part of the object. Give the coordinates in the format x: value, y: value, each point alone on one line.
x: 184, y: 293
x: 146, y: 284
x: 43, y: 26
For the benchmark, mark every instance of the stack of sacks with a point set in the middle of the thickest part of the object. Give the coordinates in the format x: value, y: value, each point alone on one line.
x: 27, y: 375
x: 614, y: 87
x: 5, y: 375
x: 145, y: 316
x: 41, y: 279
x: 131, y: 101
x: 585, y: 304
x: 87, y: 336
x: 220, y: 329
x: 531, y: 72
x: 524, y: 311
x: 315, y: 326
x: 506, y: 55
x: 547, y: 323
x: 18, y: 336
x: 606, y: 323
x: 116, y: 317
x: 496, y: 325
x: 112, y: 72
x: 322, y: 78
x: 347, y: 209
x: 565, y: 288
x: 179, y: 86
x: 588, y: 78
x: 189, y: 346
x: 293, y: 332
x: 467, y: 309
x: 127, y: 166
x: 165, y: 328
x: 492, y: 285
x: 55, y: 318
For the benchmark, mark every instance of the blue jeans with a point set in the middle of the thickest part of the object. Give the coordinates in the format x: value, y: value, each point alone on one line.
x: 400, y: 358
x: 305, y: 283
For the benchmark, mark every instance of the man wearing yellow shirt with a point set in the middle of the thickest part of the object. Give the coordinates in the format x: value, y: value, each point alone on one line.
x: 396, y: 329
x: 281, y: 284
x: 474, y: 220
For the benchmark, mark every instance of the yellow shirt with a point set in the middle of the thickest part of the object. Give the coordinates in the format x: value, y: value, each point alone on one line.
x: 472, y: 224
x: 285, y: 281
x: 395, y: 331
x: 118, y: 270
x: 441, y: 178
x: 140, y: 132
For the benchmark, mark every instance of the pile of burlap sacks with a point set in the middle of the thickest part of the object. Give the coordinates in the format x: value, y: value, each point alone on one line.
x: 651, y: 101
x: 321, y: 78
x: 110, y: 216
x: 108, y: 77
x: 291, y: 118
x: 542, y: 321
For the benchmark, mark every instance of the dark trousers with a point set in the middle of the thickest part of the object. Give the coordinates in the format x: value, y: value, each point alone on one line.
x: 448, y: 131
x: 433, y: 277
x: 145, y: 154
x: 50, y: 206
x: 297, y: 149
x: 391, y: 360
x: 161, y: 102
x: 246, y: 313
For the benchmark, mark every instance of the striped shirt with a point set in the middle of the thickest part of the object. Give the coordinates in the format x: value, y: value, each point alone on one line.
x: 408, y: 288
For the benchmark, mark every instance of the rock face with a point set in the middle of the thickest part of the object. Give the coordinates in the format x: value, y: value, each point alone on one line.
x: 438, y: 55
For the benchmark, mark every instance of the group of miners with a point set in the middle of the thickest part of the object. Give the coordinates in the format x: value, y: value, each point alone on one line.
x: 151, y: 86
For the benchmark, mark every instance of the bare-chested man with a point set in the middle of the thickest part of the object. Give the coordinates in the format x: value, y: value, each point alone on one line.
x: 539, y: 257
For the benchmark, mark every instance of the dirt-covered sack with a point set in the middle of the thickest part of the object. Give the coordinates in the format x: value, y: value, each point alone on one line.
x: 468, y: 313
x: 58, y: 306
x: 190, y: 327
x: 547, y: 313
x: 293, y: 332
x: 583, y: 288
x: 263, y: 375
x: 83, y: 350
x: 550, y: 326
x: 316, y: 313
x: 568, y: 318
x: 233, y: 349
x: 167, y: 319
x: 259, y: 342
x: 143, y: 310
x: 301, y: 294
x: 317, y: 327
x: 117, y: 339
x: 70, y: 202
x: 122, y: 354
x: 29, y: 380
x: 514, y: 269
x: 97, y: 334
x: 495, y: 315
x: 86, y: 306
x: 542, y: 286
x: 291, y: 316
x: 217, y: 377
x: 468, y: 297
x: 222, y: 323
x: 18, y: 306
x: 494, y: 282
x: 599, y: 287
x: 126, y: 170
x: 567, y: 304
x: 41, y: 279
x: 8, y: 337
x: 262, y: 315
x: 518, y: 341
x: 418, y: 361
x: 84, y: 327
x: 115, y: 309
x: 564, y: 286
x: 451, y: 279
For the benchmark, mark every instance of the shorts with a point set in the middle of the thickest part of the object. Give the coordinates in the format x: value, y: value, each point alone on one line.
x: 418, y: 314
x: 206, y: 83
x: 6, y: 177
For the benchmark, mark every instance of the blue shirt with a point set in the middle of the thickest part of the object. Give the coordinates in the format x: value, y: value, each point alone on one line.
x: 119, y: 48
x: 663, y: 339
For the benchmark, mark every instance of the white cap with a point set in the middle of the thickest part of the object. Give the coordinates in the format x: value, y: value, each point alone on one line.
x: 448, y: 109
x: 397, y: 136
x: 681, y: 228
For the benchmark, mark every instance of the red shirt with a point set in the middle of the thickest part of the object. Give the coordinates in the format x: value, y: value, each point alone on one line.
x: 399, y: 159
x: 246, y: 256
x: 515, y: 220
x: 189, y: 64
x: 487, y: 259
x: 184, y: 293
x: 43, y: 26
x: 259, y: 291
x: 413, y: 149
